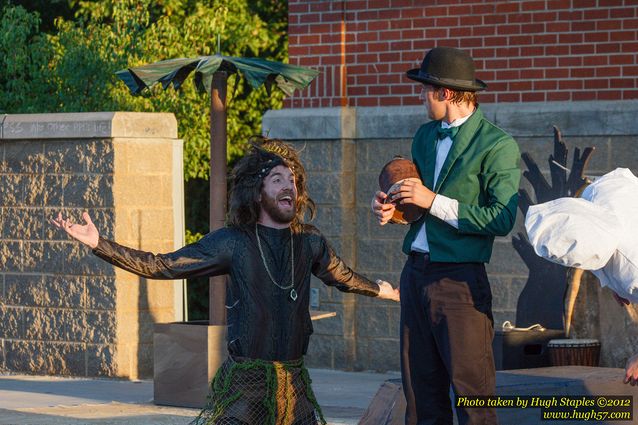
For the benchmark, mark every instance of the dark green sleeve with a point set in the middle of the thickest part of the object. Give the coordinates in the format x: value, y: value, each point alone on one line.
x: 501, y: 178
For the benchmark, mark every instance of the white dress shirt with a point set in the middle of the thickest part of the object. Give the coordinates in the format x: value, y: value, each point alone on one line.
x: 447, y: 209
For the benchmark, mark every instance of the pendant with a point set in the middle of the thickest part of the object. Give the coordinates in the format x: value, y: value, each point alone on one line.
x: 293, y: 294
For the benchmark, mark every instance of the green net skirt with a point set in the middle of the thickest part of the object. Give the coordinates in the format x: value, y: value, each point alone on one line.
x: 258, y: 392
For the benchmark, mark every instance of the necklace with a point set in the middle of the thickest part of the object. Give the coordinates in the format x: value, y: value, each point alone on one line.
x: 293, y: 293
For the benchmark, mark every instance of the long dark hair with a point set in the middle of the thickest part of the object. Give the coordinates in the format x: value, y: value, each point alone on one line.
x: 247, y: 180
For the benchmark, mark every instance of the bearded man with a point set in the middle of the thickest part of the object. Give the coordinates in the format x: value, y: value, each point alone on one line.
x: 269, y: 253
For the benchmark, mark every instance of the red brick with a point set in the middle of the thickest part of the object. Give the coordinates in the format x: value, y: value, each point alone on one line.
x: 610, y: 3
x: 447, y: 22
x: 519, y: 18
x: 574, y: 84
x: 533, y: 97
x: 621, y: 60
x: 507, y: 7
x: 497, y: 86
x: 399, y: 45
x: 390, y: 35
x: 520, y: 85
x: 469, y: 42
x: 558, y: 96
x: 423, y: 23
x: 378, y: 47
x: 464, y: 32
x: 557, y: 26
x: 483, y: 30
x: 594, y: 14
x: 580, y: 4
x: 545, y: 17
x: 597, y: 60
x: 544, y: 39
x: 608, y: 71
x: 507, y: 52
x: 508, y: 97
x: 571, y: 61
x: 378, y: 90
x: 406, y: 89
x: 400, y: 24
x: 607, y: 48
x: 309, y: 39
x: 532, y: 51
x: 367, y: 15
x: 532, y: 74
x: 545, y: 85
x: 608, y: 25
x: 628, y: 71
x: 534, y: 28
x: 583, y: 49
x: 319, y: 6
x: 556, y: 73
x: 297, y: 8
x: 508, y: 29
x: 524, y: 40
x: 581, y: 73
x: 448, y: 42
x: 298, y: 29
x: 321, y: 50
x: 545, y: 62
x: 331, y: 60
x: 367, y: 101
x: 521, y: 63
x: 332, y: 17
x: 298, y: 50
x: 391, y: 101
x: 625, y: 12
x: 378, y: 25
x: 629, y: 94
x: 493, y: 41
x: 571, y: 15
x: 570, y: 38
x: 622, y: 83
x: 367, y: 58
x: 412, y: 34
x: 483, y: 53
x: 496, y: 63
x: 494, y: 19
x: 532, y: 5
x: 322, y: 29
x: 596, y: 37
x: 621, y: 36
x: 599, y: 84
x: 609, y: 95
x: 559, y: 4
x: 580, y: 26
x: 357, y: 91
x: 390, y: 57
x: 435, y: 11
x: 389, y: 79
x: 509, y: 74
x: 629, y: 24
x: 363, y: 37
x: 487, y: 98
x: 629, y: 47
x: 433, y: 33
x: 309, y: 18
x: 582, y: 96
x: 482, y: 9
x: 412, y: 12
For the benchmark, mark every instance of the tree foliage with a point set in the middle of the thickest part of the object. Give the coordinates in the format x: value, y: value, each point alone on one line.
x: 72, y: 69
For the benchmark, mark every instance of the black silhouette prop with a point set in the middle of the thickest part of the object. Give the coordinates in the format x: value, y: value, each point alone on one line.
x: 542, y: 298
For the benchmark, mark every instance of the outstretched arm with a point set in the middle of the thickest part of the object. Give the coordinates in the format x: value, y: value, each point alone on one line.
x: 210, y: 256
x: 85, y: 233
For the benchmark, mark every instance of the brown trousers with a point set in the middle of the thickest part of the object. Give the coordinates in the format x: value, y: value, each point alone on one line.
x: 446, y: 339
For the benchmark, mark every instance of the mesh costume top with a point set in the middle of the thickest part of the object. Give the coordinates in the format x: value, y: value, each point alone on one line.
x: 264, y: 322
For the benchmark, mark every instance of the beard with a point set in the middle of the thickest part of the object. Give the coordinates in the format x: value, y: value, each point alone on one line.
x: 275, y: 211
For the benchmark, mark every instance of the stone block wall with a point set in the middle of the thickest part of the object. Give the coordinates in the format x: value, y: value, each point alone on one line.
x: 364, y: 335
x: 63, y: 310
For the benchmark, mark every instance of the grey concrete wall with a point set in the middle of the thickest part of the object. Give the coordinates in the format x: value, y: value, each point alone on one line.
x: 63, y: 310
x: 344, y: 150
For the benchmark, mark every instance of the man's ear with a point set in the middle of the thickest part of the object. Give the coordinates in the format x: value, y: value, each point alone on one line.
x: 444, y: 93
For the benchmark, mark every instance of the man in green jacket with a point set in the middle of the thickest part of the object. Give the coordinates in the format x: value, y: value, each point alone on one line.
x: 469, y: 183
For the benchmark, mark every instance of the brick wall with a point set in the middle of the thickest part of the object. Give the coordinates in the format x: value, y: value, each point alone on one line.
x: 526, y: 50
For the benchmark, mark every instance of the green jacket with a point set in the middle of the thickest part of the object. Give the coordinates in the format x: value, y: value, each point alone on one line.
x: 482, y: 173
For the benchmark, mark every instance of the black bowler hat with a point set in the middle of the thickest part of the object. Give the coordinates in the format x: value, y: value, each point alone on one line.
x: 448, y: 67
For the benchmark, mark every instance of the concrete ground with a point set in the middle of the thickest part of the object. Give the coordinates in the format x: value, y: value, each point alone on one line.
x: 24, y: 399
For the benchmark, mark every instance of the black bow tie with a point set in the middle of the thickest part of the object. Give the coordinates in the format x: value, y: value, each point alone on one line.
x: 450, y: 132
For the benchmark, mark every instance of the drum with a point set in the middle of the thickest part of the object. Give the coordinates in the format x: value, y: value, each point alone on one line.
x: 574, y: 352
x: 392, y: 175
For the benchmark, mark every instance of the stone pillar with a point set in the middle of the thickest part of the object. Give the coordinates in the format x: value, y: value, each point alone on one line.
x: 64, y: 310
